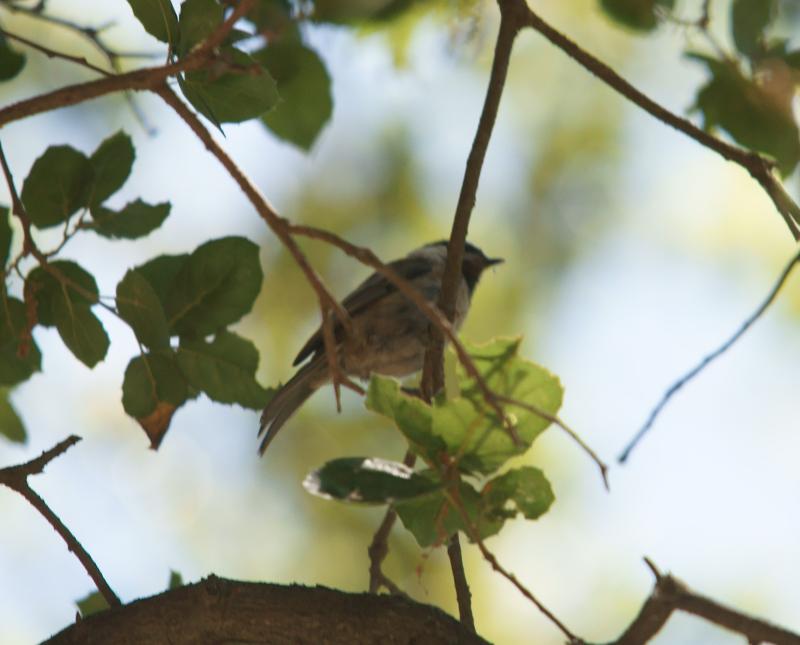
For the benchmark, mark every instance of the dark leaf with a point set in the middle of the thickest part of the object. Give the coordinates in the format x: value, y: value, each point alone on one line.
x: 57, y: 185
x: 81, y: 331
x: 139, y: 306
x: 215, y: 287
x: 224, y: 369
x: 73, y: 283
x: 160, y: 272
x: 749, y: 19
x: 158, y: 17
x: 175, y: 580
x: 112, y: 163
x: 19, y: 355
x: 152, y: 391
x: 5, y: 235
x: 136, y: 219
x: 11, y: 61
x: 11, y: 426
x: 758, y: 116
x: 199, y: 18
x: 367, y: 480
x: 234, y: 91
x: 637, y: 14
x: 304, y: 85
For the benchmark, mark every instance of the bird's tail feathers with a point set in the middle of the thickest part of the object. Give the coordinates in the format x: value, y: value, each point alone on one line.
x: 290, y: 397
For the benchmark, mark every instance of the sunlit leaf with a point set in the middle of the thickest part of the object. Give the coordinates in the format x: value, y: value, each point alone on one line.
x: 368, y: 480
x: 224, y: 369
x: 57, y: 185
x: 92, y: 603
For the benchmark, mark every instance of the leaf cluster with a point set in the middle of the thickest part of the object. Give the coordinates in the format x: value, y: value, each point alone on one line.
x: 464, y: 446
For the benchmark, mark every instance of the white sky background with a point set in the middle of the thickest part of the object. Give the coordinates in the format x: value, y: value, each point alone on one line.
x: 712, y: 495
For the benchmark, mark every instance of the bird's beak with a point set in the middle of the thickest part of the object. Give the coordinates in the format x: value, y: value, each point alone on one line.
x: 490, y: 262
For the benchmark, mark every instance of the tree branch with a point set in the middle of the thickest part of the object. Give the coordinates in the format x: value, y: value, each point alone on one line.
x: 759, y: 167
x: 670, y: 594
x: 710, y: 358
x: 16, y: 478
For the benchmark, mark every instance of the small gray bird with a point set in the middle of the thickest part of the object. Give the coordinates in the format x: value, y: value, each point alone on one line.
x: 389, y: 333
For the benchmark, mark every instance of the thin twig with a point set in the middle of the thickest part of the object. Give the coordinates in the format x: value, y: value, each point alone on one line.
x: 691, y: 374
x: 148, y: 78
x: 670, y: 594
x: 463, y: 595
x: 379, y: 547
x: 556, y: 420
x: 51, y: 53
x: 512, y: 17
x: 760, y: 168
x: 16, y: 478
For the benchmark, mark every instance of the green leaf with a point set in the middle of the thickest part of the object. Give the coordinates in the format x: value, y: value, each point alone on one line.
x: 81, y: 331
x: 11, y: 61
x: 175, y: 579
x: 239, y: 91
x: 73, y: 283
x: 150, y: 379
x: 153, y: 389
x: 433, y: 519
x: 199, y: 19
x: 274, y: 17
x: 5, y: 235
x: 640, y: 15
x: 112, y: 163
x: 224, y: 369
x: 347, y: 11
x: 749, y: 19
x: 368, y: 480
x: 91, y: 604
x: 11, y: 426
x: 57, y: 185
x: 756, y: 117
x: 215, y: 287
x: 160, y: 272
x: 526, y: 488
x: 19, y: 355
x: 304, y: 85
x: 466, y: 427
x: 136, y: 219
x: 158, y: 17
x: 139, y: 306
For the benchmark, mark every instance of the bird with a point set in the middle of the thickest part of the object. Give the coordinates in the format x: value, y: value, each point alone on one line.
x: 388, y: 333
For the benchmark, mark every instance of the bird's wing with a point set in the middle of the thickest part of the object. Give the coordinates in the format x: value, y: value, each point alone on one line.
x: 367, y: 293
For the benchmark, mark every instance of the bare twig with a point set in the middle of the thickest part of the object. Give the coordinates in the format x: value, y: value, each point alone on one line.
x: 556, y: 420
x: 463, y: 595
x: 670, y: 594
x: 379, y: 547
x: 16, y: 478
x: 691, y: 374
x: 148, y: 78
x: 760, y: 168
x: 51, y: 53
x: 512, y: 15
